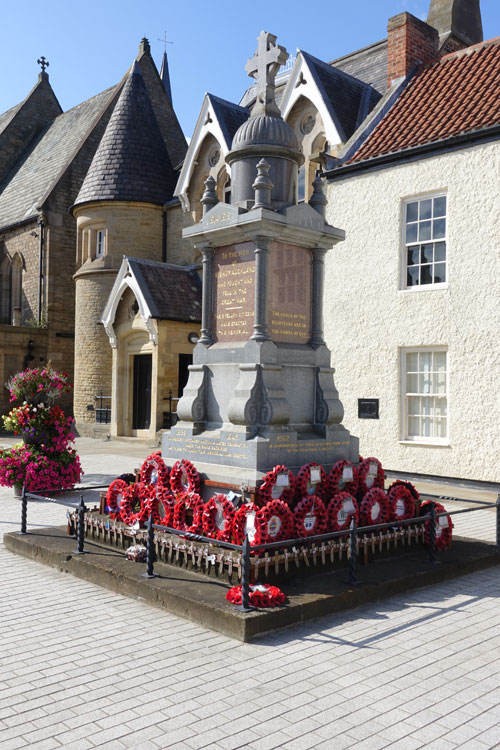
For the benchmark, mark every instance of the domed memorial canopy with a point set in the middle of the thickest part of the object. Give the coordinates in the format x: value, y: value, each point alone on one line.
x: 265, y: 134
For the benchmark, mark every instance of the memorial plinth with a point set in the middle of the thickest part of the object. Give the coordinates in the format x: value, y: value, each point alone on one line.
x: 261, y: 389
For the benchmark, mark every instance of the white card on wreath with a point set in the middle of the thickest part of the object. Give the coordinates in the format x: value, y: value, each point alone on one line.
x: 347, y: 474
x: 372, y: 469
x: 315, y: 476
x: 282, y: 480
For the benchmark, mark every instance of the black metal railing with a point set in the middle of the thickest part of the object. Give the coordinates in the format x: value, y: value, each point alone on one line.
x: 102, y: 413
x: 354, y: 535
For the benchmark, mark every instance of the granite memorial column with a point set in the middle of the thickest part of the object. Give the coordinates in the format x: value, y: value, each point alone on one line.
x: 207, y: 253
x: 318, y: 275
x: 260, y: 326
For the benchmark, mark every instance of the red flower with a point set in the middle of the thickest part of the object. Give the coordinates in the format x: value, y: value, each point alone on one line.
x: 184, y: 477
x: 370, y: 475
x: 270, y: 489
x: 260, y: 595
x: 188, y: 511
x: 343, y: 478
x: 374, y: 508
x: 310, y: 517
x: 274, y: 522
x: 154, y: 470
x: 218, y: 515
x: 341, y: 510
x: 303, y: 485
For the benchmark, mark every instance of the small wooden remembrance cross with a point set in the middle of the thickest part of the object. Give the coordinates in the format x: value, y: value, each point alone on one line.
x: 264, y: 66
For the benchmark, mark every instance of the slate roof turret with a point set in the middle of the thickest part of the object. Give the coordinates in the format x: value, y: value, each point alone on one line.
x: 131, y: 162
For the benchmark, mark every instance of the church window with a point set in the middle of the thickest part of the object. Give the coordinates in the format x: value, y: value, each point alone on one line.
x: 99, y: 247
x: 227, y: 191
x: 424, y: 241
x: 425, y: 401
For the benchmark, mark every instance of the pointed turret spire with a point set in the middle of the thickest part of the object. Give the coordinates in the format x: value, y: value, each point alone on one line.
x: 165, y: 78
x: 131, y: 162
x: 458, y: 22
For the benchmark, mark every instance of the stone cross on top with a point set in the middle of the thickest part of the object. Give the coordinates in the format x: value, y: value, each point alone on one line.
x: 264, y: 66
x: 43, y: 64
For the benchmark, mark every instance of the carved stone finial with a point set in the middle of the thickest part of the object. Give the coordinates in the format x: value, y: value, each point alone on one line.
x: 43, y: 64
x: 209, y: 198
x: 144, y: 47
x: 318, y: 199
x: 264, y: 66
x: 263, y: 185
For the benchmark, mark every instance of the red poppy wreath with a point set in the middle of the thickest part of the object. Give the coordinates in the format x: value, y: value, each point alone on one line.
x: 114, y: 497
x: 154, y: 471
x: 184, y: 477
x: 401, y: 502
x: 342, y: 478
x: 310, y: 517
x: 278, y: 484
x: 245, y: 523
x: 370, y: 476
x: 311, y: 480
x: 135, y: 504
x: 188, y: 512
x: 341, y: 510
x: 162, y: 506
x: 444, y: 526
x: 274, y: 522
x: 260, y: 595
x: 218, y: 515
x: 374, y: 508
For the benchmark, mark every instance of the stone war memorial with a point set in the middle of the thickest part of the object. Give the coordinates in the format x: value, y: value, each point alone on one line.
x: 260, y: 484
x: 261, y: 390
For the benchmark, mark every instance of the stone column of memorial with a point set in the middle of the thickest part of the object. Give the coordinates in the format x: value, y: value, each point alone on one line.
x: 261, y: 390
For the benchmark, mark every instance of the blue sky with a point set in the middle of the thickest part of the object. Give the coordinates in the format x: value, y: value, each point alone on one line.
x: 91, y: 45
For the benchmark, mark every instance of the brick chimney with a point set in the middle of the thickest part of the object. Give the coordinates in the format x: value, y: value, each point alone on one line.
x: 409, y: 41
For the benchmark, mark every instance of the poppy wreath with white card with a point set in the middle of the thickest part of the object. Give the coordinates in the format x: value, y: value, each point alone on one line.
x: 184, y: 477
x: 311, y: 480
x: 370, y: 476
x: 162, y: 506
x: 374, y: 508
x: 188, y: 511
x: 114, y: 497
x: 409, y: 486
x: 259, y: 595
x: 444, y: 525
x: 278, y: 484
x: 218, y: 515
x: 341, y: 510
x: 310, y: 517
x: 245, y: 522
x: 275, y: 522
x: 154, y: 471
x: 401, y: 502
x: 135, y: 504
x: 343, y: 478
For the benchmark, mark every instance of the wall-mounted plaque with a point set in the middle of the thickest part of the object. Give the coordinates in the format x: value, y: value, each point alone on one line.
x: 368, y: 408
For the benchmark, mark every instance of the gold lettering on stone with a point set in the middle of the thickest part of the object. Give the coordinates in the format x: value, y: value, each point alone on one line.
x: 234, y: 285
x: 290, y: 293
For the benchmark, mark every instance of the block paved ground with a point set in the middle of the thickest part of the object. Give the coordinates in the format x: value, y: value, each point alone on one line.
x: 83, y: 667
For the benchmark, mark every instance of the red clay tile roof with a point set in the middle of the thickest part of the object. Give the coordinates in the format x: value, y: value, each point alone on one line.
x: 458, y: 94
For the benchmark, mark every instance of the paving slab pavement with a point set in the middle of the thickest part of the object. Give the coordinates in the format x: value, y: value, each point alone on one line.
x: 83, y: 667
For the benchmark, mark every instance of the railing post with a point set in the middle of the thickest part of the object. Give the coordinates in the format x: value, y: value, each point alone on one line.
x: 353, y: 553
x: 150, y: 550
x: 245, y: 577
x: 24, y: 512
x: 80, y: 528
x: 498, y: 520
x: 432, y: 533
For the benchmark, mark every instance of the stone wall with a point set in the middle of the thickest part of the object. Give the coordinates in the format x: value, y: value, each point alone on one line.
x: 369, y: 318
x: 13, y: 351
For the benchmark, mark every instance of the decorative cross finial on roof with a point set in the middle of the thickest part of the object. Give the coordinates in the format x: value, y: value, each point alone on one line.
x: 44, y: 63
x: 264, y: 66
x: 165, y: 40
